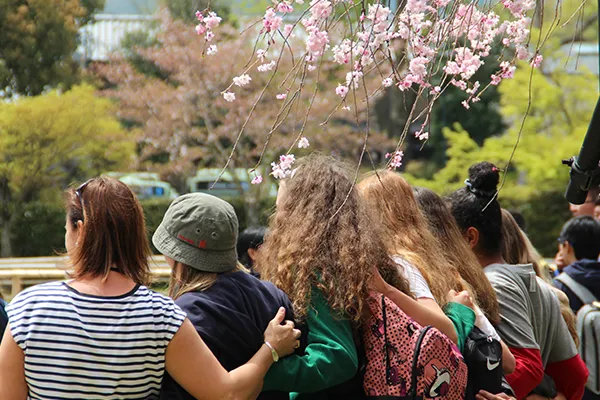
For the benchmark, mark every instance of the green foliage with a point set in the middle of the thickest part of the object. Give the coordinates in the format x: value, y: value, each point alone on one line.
x: 560, y: 108
x: 39, y: 226
x: 49, y: 141
x: 39, y: 230
x: 142, y: 39
x: 482, y: 120
x: 37, y: 41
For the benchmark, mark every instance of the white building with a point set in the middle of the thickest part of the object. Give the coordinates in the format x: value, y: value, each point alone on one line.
x: 119, y: 17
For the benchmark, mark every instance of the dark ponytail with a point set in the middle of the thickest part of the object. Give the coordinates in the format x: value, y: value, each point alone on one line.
x: 475, y: 205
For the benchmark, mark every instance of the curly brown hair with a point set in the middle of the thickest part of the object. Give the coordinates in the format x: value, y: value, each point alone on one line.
x: 405, y: 231
x: 320, y: 237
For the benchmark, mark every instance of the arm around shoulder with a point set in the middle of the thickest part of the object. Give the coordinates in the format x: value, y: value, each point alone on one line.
x: 329, y: 359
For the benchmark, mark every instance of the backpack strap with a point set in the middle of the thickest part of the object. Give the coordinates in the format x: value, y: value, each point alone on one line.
x: 577, y: 288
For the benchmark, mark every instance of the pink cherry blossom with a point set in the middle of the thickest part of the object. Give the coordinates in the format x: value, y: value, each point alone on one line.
x: 209, y: 36
x: 317, y: 42
x: 418, y: 66
x: 212, y: 20
x: 287, y: 30
x: 266, y: 67
x: 285, y: 7
x: 257, y: 180
x: 341, y: 52
x: 537, y: 61
x: 496, y: 80
x: 281, y: 96
x: 242, y: 80
x: 228, y: 96
x: 303, y: 143
x: 422, y: 135
x: 260, y: 54
x: 199, y: 16
x: 341, y: 90
x: 212, y: 49
x: 320, y: 9
x: 395, y: 159
x: 353, y: 78
x: 346, y: 108
x: 282, y: 169
x: 465, y: 104
x: 200, y: 29
x: 387, y: 82
x: 507, y: 70
x: 271, y: 21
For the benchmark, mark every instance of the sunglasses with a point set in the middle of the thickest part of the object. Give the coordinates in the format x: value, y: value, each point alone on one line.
x: 79, y: 193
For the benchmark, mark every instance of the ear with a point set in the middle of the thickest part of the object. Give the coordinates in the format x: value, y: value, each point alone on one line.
x: 472, y: 236
x: 79, y: 227
x: 252, y: 253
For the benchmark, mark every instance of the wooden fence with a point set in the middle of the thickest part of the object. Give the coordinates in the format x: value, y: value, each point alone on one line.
x: 19, y: 273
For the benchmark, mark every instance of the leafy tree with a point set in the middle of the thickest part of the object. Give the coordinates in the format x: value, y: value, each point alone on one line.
x: 560, y: 110
x: 37, y: 41
x: 49, y: 141
x: 182, y: 121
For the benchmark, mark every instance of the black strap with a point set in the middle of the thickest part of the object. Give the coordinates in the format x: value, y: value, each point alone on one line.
x: 388, y: 366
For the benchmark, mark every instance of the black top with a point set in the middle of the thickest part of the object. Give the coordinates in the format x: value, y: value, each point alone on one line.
x: 3, y: 319
x: 231, y: 317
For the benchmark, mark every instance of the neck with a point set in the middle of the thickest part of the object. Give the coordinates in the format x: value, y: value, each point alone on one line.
x: 485, y: 260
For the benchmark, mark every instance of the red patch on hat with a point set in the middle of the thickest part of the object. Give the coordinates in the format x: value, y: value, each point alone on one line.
x: 190, y: 241
x: 202, y: 244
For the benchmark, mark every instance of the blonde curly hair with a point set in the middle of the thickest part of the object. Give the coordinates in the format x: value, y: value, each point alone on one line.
x: 320, y: 237
x: 406, y: 233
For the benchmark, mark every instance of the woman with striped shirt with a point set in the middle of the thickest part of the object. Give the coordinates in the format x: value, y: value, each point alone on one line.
x: 104, y: 334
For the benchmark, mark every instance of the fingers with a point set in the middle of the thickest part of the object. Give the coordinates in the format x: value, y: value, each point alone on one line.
x: 289, y: 324
x: 279, y: 317
x: 452, y: 293
x: 483, y: 395
x: 297, y: 345
x: 296, y: 333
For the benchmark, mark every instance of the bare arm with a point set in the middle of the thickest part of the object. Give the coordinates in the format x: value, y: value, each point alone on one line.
x: 508, y: 360
x: 191, y: 363
x: 12, y: 369
x: 424, y: 311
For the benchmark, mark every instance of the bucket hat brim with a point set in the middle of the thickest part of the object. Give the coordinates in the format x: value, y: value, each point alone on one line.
x: 199, y: 259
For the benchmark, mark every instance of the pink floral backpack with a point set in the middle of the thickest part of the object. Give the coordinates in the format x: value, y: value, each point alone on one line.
x: 407, y: 361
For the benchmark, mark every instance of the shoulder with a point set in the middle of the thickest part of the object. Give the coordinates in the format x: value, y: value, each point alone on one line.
x: 34, y: 294
x: 162, y: 302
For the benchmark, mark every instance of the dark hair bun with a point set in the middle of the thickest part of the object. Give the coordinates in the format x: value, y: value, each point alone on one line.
x: 484, y: 178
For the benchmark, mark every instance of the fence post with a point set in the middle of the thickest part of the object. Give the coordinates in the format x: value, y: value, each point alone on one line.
x: 17, y: 285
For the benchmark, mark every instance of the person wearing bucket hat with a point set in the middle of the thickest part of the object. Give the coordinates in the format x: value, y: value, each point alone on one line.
x: 228, y: 306
x: 106, y: 320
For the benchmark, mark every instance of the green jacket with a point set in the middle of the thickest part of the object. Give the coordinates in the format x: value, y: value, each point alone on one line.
x: 463, y: 319
x: 330, y: 357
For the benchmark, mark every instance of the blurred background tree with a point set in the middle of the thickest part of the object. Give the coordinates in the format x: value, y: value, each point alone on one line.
x: 37, y: 42
x: 50, y: 141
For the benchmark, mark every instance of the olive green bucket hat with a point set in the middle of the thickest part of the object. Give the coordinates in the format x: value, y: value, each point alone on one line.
x: 201, y: 231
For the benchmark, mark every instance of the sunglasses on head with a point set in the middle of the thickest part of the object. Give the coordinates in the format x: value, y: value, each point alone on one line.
x: 79, y: 192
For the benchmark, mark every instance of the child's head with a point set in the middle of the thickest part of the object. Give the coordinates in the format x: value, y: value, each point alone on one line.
x: 197, y: 236
x: 392, y: 206
x: 248, y: 244
x: 477, y: 212
x: 580, y: 239
x: 320, y: 237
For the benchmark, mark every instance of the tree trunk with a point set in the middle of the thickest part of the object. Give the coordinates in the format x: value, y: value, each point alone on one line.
x: 5, y: 243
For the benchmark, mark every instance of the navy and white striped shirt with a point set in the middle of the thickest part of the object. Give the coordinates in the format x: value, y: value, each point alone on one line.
x: 80, y: 346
